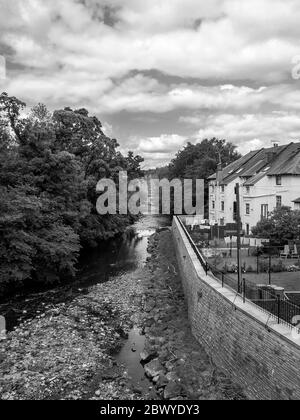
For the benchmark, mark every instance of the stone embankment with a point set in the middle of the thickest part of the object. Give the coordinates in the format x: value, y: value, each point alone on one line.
x: 69, y: 351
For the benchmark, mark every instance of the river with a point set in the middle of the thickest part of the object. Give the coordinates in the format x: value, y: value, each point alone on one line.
x: 112, y: 259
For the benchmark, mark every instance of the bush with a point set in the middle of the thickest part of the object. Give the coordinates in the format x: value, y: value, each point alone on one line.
x: 250, y: 269
x: 279, y: 267
x: 263, y: 267
x: 257, y: 252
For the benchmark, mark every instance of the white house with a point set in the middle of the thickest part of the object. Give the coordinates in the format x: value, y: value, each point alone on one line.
x: 268, y: 178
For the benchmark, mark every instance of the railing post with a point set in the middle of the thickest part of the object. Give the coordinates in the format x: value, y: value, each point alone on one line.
x: 270, y: 269
x: 206, y: 268
x: 278, y: 309
x: 244, y: 290
x: 223, y: 280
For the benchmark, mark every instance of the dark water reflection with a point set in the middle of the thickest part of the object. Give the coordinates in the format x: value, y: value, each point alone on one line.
x: 129, y: 356
x: 109, y: 261
x: 120, y: 256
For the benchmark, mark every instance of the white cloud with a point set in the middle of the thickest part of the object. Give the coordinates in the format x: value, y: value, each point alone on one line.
x: 156, y: 35
x: 95, y: 53
x: 246, y: 131
x: 163, y: 144
x: 157, y: 151
x: 251, y: 131
x: 139, y: 94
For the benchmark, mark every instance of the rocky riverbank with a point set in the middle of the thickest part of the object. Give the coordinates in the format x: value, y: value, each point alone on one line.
x: 69, y: 351
x: 179, y: 366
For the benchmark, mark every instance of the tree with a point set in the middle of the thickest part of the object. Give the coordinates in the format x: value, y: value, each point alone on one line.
x: 200, y: 161
x: 50, y: 165
x: 282, y: 226
x: 41, y: 114
x: 34, y: 241
x: 10, y: 110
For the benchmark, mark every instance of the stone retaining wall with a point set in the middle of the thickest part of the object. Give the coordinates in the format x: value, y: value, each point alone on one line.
x: 260, y: 355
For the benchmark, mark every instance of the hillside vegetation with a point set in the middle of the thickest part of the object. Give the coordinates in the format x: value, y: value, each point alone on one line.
x: 50, y: 164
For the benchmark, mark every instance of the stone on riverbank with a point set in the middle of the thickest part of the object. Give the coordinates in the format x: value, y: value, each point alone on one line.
x: 184, y: 360
x: 154, y: 369
x: 69, y: 353
x: 173, y: 390
x: 147, y: 356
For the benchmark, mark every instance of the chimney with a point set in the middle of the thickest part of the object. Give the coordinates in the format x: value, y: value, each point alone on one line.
x: 275, y: 143
x: 272, y: 153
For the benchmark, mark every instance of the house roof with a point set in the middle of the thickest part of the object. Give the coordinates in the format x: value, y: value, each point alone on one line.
x: 254, y: 179
x: 273, y: 161
x: 248, y: 168
x: 288, y: 163
x: 297, y: 201
x: 259, y: 170
x: 232, y: 169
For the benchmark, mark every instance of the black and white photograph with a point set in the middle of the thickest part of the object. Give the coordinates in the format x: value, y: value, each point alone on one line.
x: 149, y: 203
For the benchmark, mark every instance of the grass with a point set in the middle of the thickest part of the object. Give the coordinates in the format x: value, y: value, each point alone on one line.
x: 290, y: 281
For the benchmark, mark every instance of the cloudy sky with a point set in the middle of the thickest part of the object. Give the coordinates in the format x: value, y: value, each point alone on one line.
x: 160, y: 73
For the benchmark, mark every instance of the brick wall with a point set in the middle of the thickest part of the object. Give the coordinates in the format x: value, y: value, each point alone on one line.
x: 263, y: 357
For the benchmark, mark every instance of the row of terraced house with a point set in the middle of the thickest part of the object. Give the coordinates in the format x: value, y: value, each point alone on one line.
x: 268, y: 178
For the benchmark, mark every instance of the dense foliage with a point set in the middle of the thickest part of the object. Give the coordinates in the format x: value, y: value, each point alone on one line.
x: 49, y: 167
x: 282, y: 225
x: 200, y: 161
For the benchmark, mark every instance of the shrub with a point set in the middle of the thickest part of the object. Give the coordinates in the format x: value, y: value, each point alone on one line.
x: 263, y: 267
x: 250, y: 269
x: 279, y: 267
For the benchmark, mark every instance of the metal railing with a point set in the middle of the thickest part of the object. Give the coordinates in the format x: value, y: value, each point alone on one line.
x: 264, y: 297
x: 200, y: 257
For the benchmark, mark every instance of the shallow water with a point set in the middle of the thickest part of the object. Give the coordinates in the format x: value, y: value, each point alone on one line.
x: 130, y: 357
x: 100, y: 265
x: 121, y: 256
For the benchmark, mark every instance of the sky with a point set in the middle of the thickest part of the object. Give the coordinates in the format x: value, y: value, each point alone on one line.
x: 160, y: 73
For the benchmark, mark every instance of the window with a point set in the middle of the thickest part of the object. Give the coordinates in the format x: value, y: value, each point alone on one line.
x: 248, y: 190
x: 278, y: 180
x: 264, y: 211
x: 213, y: 205
x: 235, y: 210
x: 222, y: 222
x: 222, y: 205
x: 222, y: 189
x: 247, y: 230
x: 248, y: 209
x: 278, y: 201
